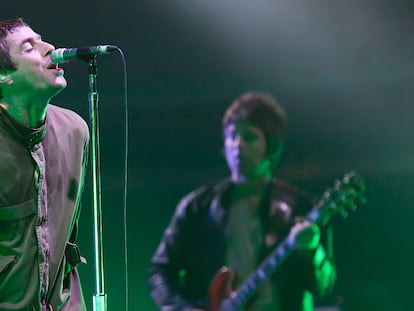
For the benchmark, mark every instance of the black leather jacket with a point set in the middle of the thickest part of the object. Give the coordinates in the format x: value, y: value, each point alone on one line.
x: 192, y: 250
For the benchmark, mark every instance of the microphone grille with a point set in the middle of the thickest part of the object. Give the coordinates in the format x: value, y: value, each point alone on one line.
x: 57, y: 56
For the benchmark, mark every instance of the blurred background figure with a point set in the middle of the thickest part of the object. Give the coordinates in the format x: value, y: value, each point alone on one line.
x: 238, y: 220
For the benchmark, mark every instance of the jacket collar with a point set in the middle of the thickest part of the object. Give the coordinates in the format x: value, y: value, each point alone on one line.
x: 26, y: 135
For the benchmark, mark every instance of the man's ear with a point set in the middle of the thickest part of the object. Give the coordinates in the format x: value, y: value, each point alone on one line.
x: 276, y: 155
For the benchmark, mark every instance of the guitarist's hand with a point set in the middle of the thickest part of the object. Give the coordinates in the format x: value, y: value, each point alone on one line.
x: 305, y: 234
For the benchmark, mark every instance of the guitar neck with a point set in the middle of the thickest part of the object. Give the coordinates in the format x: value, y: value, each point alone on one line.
x: 255, y: 281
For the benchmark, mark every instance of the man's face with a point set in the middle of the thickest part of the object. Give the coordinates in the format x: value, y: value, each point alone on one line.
x: 35, y: 72
x: 245, y: 149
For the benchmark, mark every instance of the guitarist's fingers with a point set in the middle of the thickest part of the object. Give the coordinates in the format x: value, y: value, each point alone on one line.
x: 306, y: 234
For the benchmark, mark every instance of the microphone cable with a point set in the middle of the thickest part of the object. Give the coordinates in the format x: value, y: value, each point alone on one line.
x: 125, y: 193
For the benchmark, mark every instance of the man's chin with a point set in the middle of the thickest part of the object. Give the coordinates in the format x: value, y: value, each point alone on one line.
x: 57, y: 88
x: 60, y: 84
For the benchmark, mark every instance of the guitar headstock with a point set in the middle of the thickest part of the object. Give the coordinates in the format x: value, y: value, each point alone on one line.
x: 343, y: 197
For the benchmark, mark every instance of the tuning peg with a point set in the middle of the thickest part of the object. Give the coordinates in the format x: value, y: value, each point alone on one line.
x: 343, y: 213
x: 362, y: 200
x: 352, y: 206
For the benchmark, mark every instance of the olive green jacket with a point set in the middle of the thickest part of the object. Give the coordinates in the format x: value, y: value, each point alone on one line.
x: 41, y: 179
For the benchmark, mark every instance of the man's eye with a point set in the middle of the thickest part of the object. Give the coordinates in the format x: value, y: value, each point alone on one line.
x: 249, y: 137
x: 27, y: 47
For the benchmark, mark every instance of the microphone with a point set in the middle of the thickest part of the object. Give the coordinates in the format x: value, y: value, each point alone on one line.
x: 64, y: 55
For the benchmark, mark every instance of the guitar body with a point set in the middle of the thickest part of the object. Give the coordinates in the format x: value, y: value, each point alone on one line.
x: 221, y: 287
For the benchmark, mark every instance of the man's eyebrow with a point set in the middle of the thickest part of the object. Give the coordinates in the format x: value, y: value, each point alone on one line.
x: 31, y: 39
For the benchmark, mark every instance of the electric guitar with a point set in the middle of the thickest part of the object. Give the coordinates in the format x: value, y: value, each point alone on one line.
x: 340, y: 198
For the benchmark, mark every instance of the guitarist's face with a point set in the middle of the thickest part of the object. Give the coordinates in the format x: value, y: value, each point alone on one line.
x: 245, y: 149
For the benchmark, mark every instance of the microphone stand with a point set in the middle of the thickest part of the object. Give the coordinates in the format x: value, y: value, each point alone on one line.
x: 100, y: 298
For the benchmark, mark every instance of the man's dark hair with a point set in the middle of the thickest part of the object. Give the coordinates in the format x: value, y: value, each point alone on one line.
x: 261, y: 110
x: 7, y: 26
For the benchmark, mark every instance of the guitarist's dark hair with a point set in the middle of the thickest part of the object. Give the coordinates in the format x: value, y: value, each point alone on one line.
x: 263, y: 111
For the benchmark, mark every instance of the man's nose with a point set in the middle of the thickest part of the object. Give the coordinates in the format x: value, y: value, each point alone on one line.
x: 46, y: 48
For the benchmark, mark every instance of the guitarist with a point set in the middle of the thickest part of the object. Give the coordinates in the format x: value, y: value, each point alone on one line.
x: 239, y: 220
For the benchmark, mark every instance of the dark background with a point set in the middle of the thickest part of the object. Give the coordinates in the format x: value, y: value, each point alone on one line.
x: 344, y: 70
